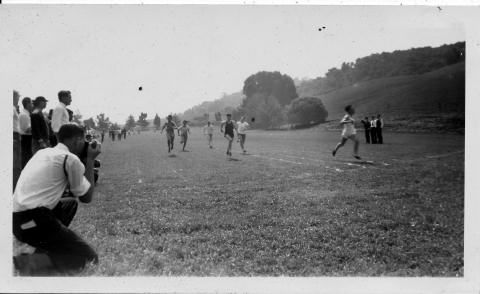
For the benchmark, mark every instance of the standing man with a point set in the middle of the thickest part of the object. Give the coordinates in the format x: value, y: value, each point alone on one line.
x: 40, y: 132
x: 26, y: 130
x: 373, y: 130
x: 366, y: 127
x: 41, y: 216
x: 379, y: 124
x: 60, y: 113
x: 242, y: 127
x: 103, y: 134
x: 17, y: 152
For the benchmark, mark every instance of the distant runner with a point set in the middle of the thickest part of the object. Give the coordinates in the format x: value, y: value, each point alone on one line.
x: 242, y: 127
x: 227, y: 127
x: 348, y: 132
x: 171, y: 126
x: 183, y: 132
x: 208, y: 130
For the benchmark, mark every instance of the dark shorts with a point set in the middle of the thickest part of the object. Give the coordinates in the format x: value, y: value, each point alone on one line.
x: 231, y: 135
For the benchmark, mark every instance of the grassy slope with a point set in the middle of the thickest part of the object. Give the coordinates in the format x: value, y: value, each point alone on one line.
x: 431, y: 100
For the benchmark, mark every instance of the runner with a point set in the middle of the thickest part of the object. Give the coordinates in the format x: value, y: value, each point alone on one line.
x: 171, y: 126
x: 208, y: 130
x: 348, y: 131
x: 242, y: 127
x: 183, y: 131
x: 230, y: 126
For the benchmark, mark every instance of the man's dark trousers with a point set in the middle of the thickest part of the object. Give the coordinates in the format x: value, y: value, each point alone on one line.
x: 379, y: 136
x: 373, y: 135
x: 367, y: 135
x: 65, y: 250
x: 26, y: 145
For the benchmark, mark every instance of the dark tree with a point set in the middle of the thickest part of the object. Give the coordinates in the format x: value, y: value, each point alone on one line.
x: 306, y: 110
x: 270, y: 84
x: 130, y: 123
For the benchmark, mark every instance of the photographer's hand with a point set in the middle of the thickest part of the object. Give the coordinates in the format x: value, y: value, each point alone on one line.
x: 92, y: 153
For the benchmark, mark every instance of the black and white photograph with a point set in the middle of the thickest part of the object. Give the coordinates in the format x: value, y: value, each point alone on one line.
x: 239, y: 141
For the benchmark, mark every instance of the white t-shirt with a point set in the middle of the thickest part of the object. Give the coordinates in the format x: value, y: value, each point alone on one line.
x: 348, y: 128
x: 242, y: 127
x: 43, y: 181
x: 59, y: 117
x: 24, y: 122
x: 208, y: 130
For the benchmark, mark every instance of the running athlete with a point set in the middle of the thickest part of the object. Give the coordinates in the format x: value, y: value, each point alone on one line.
x: 171, y: 126
x: 348, y: 131
x: 208, y: 130
x: 242, y: 127
x: 228, y: 131
x: 183, y: 132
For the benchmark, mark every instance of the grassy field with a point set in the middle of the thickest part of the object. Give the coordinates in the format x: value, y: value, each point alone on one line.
x: 287, y: 208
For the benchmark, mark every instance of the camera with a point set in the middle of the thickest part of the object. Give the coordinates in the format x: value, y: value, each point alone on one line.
x: 96, y: 162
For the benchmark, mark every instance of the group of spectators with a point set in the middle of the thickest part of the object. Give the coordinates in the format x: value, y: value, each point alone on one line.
x: 48, y: 180
x: 35, y: 131
x: 373, y: 129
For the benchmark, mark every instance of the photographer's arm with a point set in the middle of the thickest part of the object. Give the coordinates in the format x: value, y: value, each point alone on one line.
x: 87, y: 197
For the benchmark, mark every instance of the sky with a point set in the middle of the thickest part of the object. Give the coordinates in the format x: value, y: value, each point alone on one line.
x: 184, y: 55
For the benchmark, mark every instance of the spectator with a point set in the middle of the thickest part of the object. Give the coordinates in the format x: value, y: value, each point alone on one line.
x: 40, y: 133
x: 26, y: 130
x: 17, y: 153
x: 373, y: 130
x: 379, y: 124
x: 366, y: 127
x: 51, y: 135
x: 60, y: 114
x: 41, y: 216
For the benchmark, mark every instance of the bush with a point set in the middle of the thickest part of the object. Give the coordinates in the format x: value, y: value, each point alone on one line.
x: 306, y: 110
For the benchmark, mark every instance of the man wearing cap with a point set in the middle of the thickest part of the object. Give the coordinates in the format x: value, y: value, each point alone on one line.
x: 26, y: 130
x: 60, y: 113
x: 40, y: 133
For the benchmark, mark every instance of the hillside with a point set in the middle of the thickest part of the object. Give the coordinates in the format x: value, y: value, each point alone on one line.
x: 210, y: 107
x: 433, y: 100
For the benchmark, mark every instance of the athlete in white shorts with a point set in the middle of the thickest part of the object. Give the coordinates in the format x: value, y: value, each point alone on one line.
x: 348, y: 132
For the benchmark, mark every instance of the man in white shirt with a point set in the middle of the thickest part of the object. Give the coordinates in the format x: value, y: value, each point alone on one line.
x: 41, y: 216
x: 26, y: 130
x: 242, y: 127
x: 60, y: 113
x: 17, y: 153
x: 373, y: 130
x: 208, y: 130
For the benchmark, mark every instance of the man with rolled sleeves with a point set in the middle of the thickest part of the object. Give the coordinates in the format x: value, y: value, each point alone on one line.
x: 41, y: 216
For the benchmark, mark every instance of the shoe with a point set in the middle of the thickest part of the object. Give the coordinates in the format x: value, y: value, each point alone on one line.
x: 334, y: 152
x: 244, y: 151
x: 357, y: 157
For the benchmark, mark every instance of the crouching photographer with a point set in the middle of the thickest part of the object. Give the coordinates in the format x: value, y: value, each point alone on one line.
x: 41, y: 216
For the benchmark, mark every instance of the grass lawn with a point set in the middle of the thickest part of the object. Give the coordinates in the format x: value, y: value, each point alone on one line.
x: 287, y: 208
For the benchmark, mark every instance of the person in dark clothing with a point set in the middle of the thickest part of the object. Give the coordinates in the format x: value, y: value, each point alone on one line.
x: 373, y: 130
x: 119, y: 135
x: 379, y: 125
x: 124, y: 133
x: 103, y: 135
x: 26, y: 130
x: 40, y: 132
x: 228, y: 127
x: 366, y: 127
x: 52, y: 138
